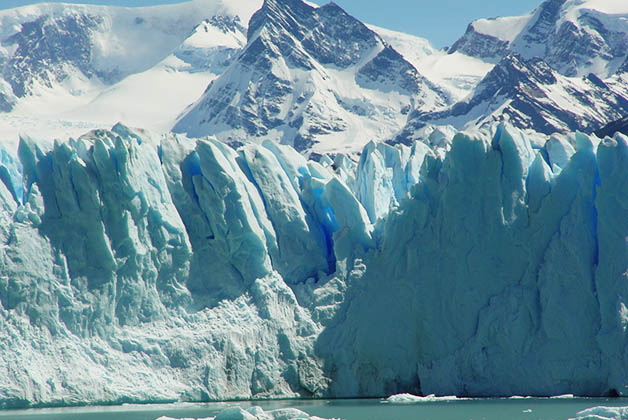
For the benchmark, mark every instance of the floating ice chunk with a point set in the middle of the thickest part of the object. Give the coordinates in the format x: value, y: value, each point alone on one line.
x: 412, y: 399
x: 184, y: 418
x: 603, y: 413
x: 562, y: 397
x: 254, y: 413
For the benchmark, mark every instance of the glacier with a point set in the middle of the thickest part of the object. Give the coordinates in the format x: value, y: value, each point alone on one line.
x: 178, y: 269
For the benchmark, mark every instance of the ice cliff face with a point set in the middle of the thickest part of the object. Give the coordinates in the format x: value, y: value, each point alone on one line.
x: 500, y: 276
x: 189, y: 270
x: 144, y: 268
x: 172, y: 264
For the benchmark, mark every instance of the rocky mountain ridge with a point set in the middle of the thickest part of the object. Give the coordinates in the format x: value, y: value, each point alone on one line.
x: 312, y: 77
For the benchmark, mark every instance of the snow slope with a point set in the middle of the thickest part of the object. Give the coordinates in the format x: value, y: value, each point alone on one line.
x: 69, y: 68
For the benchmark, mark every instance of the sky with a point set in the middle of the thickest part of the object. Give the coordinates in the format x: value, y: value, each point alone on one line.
x: 440, y: 21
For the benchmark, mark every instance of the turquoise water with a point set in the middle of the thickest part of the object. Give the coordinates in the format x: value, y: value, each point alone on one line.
x: 476, y: 409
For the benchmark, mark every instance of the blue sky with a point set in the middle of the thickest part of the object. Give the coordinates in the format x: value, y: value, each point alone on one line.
x: 440, y: 21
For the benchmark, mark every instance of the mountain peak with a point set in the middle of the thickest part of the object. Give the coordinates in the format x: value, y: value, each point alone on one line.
x: 286, y: 83
x: 283, y: 13
x: 328, y: 33
x: 573, y: 37
x: 531, y: 95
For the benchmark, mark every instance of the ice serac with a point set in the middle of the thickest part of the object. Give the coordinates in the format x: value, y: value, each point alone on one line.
x: 489, y: 280
x: 235, y: 211
x: 610, y: 273
x: 313, y: 78
x: 300, y: 250
x: 385, y: 175
x: 109, y: 215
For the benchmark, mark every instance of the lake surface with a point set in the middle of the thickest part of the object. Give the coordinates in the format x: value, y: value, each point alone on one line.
x: 474, y: 409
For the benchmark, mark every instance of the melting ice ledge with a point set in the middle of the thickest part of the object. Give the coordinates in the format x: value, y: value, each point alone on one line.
x: 136, y: 272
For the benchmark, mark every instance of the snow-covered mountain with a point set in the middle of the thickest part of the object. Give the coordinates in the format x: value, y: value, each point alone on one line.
x: 560, y: 68
x: 610, y: 129
x: 315, y: 78
x: 530, y: 95
x: 70, y: 68
x: 575, y: 37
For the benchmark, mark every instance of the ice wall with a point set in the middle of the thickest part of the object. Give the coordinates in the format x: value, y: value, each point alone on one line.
x: 498, y: 277
x: 146, y: 265
x: 186, y: 270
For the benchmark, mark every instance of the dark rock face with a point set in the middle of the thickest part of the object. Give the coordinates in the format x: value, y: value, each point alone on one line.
x: 47, y: 48
x: 624, y: 67
x: 573, y: 47
x: 226, y: 24
x: 480, y: 45
x: 389, y: 68
x: 546, y: 17
x: 7, y: 101
x: 609, y: 130
x: 327, y: 34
